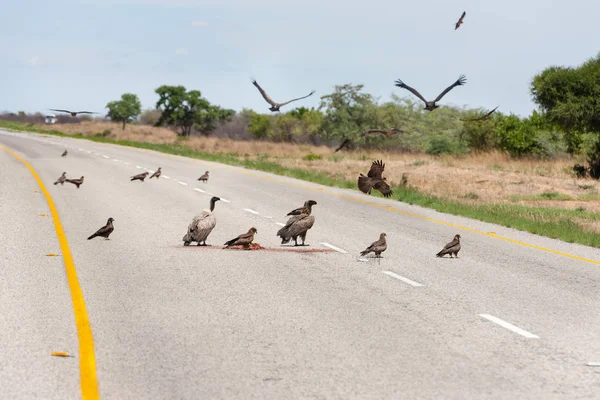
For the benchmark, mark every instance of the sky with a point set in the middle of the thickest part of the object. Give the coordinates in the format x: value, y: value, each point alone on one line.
x: 80, y: 55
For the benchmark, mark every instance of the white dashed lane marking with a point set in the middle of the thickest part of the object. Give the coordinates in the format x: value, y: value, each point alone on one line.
x: 251, y: 211
x: 280, y: 223
x: 403, y: 279
x: 182, y: 183
x: 509, y: 326
x: 334, y: 247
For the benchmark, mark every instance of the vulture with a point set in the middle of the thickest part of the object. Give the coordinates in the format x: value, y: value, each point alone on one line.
x: 156, y: 173
x: 76, y: 182
x: 374, y: 180
x: 376, y: 247
x: 297, y: 226
x: 61, y: 179
x: 460, y: 20
x: 201, y: 226
x: 204, y: 177
x: 451, y: 248
x: 482, y: 118
x: 64, y: 154
x: 105, y: 231
x: 74, y: 113
x: 242, y: 240
x: 140, y: 177
x: 430, y: 105
x: 345, y: 143
x: 386, y: 132
x: 276, y: 106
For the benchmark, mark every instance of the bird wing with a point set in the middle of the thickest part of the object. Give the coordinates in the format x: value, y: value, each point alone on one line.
x: 377, y: 168
x: 85, y: 112
x: 299, y: 98
x: 365, y: 184
x: 483, y: 117
x: 460, y: 81
x: 264, y: 94
x: 67, y: 111
x: 244, y: 238
x: 104, y: 230
x: 344, y: 144
x: 156, y: 173
x: 143, y: 174
x: 383, y: 187
x: 403, y: 85
x: 297, y: 211
x: 373, y: 131
x: 451, y: 244
x: 299, y: 225
x: 460, y: 20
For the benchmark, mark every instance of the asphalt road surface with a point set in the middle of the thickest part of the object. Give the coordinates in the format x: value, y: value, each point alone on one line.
x: 516, y: 316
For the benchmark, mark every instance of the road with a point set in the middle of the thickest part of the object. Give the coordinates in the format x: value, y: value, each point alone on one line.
x: 516, y: 316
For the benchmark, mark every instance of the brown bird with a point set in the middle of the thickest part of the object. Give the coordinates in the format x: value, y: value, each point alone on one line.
x: 201, y: 226
x: 373, y: 180
x: 430, y: 105
x: 105, y: 231
x: 204, y: 177
x: 242, y: 240
x: 74, y: 113
x: 482, y: 118
x: 64, y: 154
x: 345, y: 143
x: 61, y: 179
x: 156, y: 173
x: 140, y: 177
x: 376, y: 247
x: 386, y: 132
x: 298, y: 225
x: 451, y: 248
x: 275, y: 106
x: 76, y: 182
x: 305, y: 209
x: 460, y: 20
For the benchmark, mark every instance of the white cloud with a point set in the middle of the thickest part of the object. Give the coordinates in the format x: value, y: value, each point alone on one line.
x: 181, y: 52
x: 199, y: 24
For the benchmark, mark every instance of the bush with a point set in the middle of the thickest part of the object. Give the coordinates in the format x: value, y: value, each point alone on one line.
x: 311, y: 157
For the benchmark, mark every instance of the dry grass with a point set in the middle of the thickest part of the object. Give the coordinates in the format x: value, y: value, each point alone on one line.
x: 140, y: 133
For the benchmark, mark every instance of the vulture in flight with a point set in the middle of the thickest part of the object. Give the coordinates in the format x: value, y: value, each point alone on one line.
x: 376, y: 247
x: 61, y: 179
x: 64, y: 154
x: 430, y: 105
x: 460, y: 20
x: 276, y: 106
x: 156, y: 173
x: 74, y: 113
x: 76, y: 182
x: 373, y: 180
x: 140, y: 177
x: 298, y: 225
x: 386, y: 132
x: 242, y: 240
x: 105, y: 231
x: 345, y: 143
x: 204, y: 177
x: 451, y: 248
x: 482, y: 118
x: 201, y: 226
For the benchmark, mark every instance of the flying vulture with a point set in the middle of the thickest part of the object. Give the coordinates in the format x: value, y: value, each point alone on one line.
x: 61, y: 179
x: 275, y: 106
x: 376, y: 247
x: 74, y: 113
x: 298, y: 225
x: 345, y: 143
x: 76, y: 182
x: 140, y: 177
x: 460, y: 20
x: 451, y: 248
x: 482, y: 118
x: 242, y: 240
x: 430, y: 105
x: 156, y: 173
x: 373, y: 180
x: 105, y: 231
x: 201, y: 226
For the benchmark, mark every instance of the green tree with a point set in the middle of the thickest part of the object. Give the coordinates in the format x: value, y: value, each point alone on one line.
x: 124, y: 110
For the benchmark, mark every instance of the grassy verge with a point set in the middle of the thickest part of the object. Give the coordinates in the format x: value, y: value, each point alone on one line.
x: 567, y: 225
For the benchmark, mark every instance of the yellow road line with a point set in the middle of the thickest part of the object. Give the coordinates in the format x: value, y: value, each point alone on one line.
x: 87, y: 359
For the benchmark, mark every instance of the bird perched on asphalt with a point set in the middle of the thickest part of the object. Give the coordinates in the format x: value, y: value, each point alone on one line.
x: 298, y: 225
x: 64, y: 154
x: 156, y: 173
x: 460, y: 20
x: 386, y: 132
x: 76, y: 182
x: 373, y: 180
x: 430, y: 105
x: 242, y: 240
x: 451, y: 248
x: 74, y: 113
x: 275, y: 106
x: 201, y: 226
x: 376, y: 247
x: 204, y: 177
x: 345, y: 143
x: 140, y: 177
x: 105, y: 231
x: 61, y: 179
x: 482, y: 118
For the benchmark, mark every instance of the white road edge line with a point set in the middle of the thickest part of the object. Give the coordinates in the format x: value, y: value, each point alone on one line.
x: 334, y: 248
x: 280, y: 223
x: 251, y: 211
x: 199, y: 190
x: 509, y: 326
x: 403, y: 279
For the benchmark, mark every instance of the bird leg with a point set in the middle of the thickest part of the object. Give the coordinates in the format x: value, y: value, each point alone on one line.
x: 186, y: 243
x: 295, y: 241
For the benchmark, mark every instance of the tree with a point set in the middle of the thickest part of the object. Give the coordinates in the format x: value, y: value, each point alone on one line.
x: 124, y: 110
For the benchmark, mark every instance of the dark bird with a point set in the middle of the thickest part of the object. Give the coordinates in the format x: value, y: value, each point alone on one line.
x: 61, y: 179
x: 386, y: 132
x: 156, y: 173
x: 64, y: 154
x: 373, y: 180
x: 482, y: 118
x: 105, y: 231
x: 460, y: 20
x: 140, y: 177
x: 376, y: 247
x: 74, y: 113
x: 298, y: 225
x: 430, y: 105
x: 451, y: 248
x: 242, y: 240
x: 201, y: 226
x: 204, y: 177
x: 76, y: 182
x: 275, y: 106
x: 345, y: 143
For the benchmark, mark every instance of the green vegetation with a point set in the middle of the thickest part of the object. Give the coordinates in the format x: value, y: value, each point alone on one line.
x: 125, y: 110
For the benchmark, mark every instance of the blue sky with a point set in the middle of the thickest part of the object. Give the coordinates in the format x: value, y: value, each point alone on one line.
x: 83, y: 54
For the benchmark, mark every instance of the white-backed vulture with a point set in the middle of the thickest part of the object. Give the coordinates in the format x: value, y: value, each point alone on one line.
x: 201, y: 226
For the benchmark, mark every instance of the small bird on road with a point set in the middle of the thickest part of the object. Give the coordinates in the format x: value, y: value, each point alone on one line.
x: 140, y: 177
x: 460, y: 20
x: 274, y: 105
x: 64, y: 154
x: 376, y: 247
x: 74, y: 113
x: 61, y: 179
x: 430, y: 105
x: 76, y: 182
x: 156, y: 173
x: 105, y: 231
x: 242, y: 240
x: 373, y: 180
x: 451, y: 248
x: 204, y: 177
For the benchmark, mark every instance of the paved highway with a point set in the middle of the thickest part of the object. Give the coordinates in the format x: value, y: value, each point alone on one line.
x: 516, y: 316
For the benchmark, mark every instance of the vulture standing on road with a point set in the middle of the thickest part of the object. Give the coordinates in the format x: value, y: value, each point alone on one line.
x: 451, y: 248
x: 61, y: 179
x: 386, y: 132
x: 430, y: 105
x: 376, y: 247
x: 74, y: 113
x: 204, y: 177
x: 105, y: 231
x: 201, y: 226
x: 140, y: 177
x: 76, y: 182
x: 64, y: 154
x: 460, y: 20
x: 374, y: 180
x: 156, y: 173
x: 482, y: 118
x: 242, y: 240
x: 275, y: 106
x: 297, y: 226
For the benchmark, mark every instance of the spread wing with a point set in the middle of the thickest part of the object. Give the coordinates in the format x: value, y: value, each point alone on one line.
x: 384, y: 188
x: 460, y: 81
x: 67, y: 111
x: 460, y: 20
x: 403, y: 85
x: 299, y: 98
x: 86, y: 112
x: 264, y: 94
x: 376, y: 169
x: 373, y: 131
x: 483, y: 117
